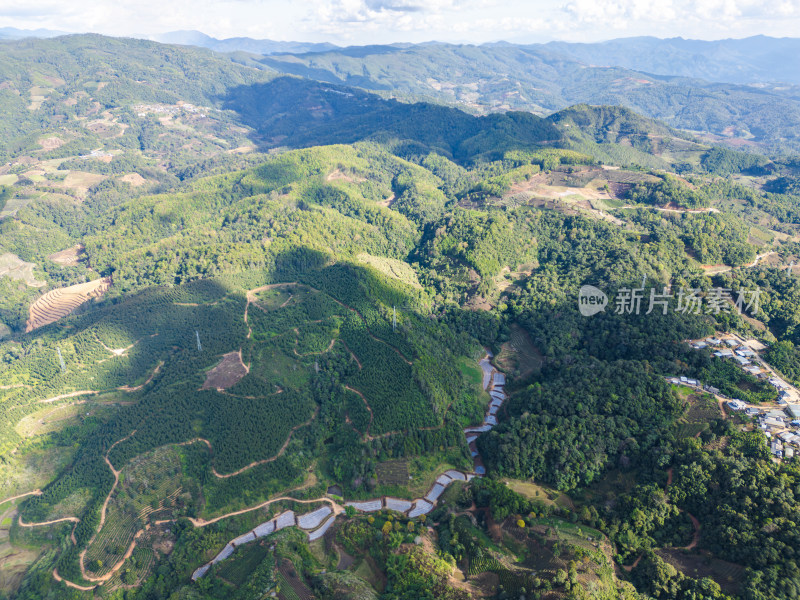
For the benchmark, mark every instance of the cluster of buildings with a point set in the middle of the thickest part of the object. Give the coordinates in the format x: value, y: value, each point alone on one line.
x: 97, y: 154
x: 781, y: 424
x: 168, y: 109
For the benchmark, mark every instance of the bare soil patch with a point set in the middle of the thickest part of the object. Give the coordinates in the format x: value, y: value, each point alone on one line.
x: 698, y: 565
x: 134, y: 179
x: 69, y: 257
x: 51, y: 143
x: 227, y: 373
x: 338, y: 174
x: 79, y: 182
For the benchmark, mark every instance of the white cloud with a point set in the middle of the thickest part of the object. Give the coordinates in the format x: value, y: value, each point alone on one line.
x: 383, y: 21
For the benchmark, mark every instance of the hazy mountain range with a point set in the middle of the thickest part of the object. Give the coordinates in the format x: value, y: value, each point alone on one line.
x: 756, y: 59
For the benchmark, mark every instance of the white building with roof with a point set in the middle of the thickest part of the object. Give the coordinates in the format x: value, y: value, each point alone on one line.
x: 736, y: 405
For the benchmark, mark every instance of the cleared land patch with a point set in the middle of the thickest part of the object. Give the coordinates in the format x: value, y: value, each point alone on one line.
x: 58, y: 303
x: 518, y: 355
x: 69, y: 257
x: 14, y: 560
x: 14, y: 267
x: 728, y: 575
x: 391, y: 267
x: 392, y: 472
x: 227, y: 373
x: 134, y: 179
x: 79, y: 182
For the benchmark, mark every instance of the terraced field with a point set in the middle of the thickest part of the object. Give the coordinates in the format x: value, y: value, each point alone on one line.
x: 60, y: 302
x: 149, y: 485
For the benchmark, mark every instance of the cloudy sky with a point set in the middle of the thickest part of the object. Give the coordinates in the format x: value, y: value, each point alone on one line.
x: 383, y: 21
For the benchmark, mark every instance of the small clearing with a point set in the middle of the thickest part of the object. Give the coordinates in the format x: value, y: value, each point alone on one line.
x: 14, y: 267
x: 51, y: 143
x: 396, y: 269
x: 14, y: 560
x: 519, y: 356
x: 134, y: 179
x: 338, y: 174
x: 69, y: 257
x: 79, y: 182
x: 392, y: 472
x: 728, y: 575
x: 227, y: 373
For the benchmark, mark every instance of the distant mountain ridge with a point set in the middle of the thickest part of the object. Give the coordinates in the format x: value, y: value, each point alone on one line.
x: 757, y: 59
x: 239, y: 44
x: 501, y: 77
x: 12, y: 33
x: 753, y: 60
x: 542, y: 79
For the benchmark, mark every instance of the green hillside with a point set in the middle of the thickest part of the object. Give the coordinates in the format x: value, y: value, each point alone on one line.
x: 541, y: 79
x: 227, y: 295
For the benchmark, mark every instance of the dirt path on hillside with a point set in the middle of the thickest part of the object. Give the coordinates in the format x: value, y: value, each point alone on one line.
x: 257, y: 462
x: 127, y: 388
x: 74, y: 586
x: 36, y: 492
x: 337, y: 509
x: 696, y: 537
x: 355, y: 358
x: 200, y: 522
x: 43, y: 523
x: 71, y: 395
x: 251, y: 299
x: 369, y: 408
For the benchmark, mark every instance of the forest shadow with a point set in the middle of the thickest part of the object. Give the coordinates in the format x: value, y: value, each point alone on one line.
x: 291, y: 112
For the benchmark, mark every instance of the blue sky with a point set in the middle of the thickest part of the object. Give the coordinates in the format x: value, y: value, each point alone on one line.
x: 384, y: 21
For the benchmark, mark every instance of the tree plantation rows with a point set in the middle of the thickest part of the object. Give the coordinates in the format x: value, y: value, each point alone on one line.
x: 360, y: 283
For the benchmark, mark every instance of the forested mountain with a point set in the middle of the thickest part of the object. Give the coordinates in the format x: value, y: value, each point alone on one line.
x: 264, y: 335
x: 542, y: 80
x: 753, y: 60
x: 757, y: 59
x: 239, y: 44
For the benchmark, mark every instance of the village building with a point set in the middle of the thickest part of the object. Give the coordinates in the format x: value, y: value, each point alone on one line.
x: 775, y: 382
